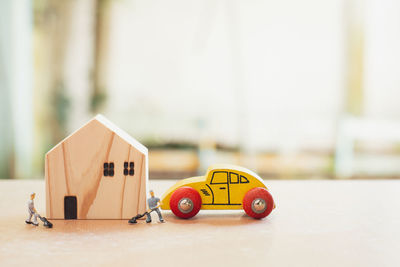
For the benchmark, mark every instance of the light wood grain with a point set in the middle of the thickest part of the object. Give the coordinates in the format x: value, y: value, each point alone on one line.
x: 316, y: 223
x: 75, y: 168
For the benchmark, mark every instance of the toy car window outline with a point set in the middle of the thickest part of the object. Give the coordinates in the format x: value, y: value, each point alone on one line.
x: 243, y: 180
x: 236, y: 180
x: 217, y: 179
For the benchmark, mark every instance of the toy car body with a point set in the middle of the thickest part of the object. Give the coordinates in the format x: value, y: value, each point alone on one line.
x: 223, y: 187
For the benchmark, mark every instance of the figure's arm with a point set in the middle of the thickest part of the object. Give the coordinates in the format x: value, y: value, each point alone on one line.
x: 156, y: 207
x: 31, y: 207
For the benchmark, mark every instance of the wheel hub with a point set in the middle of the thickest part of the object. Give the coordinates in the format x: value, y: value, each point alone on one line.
x: 258, y: 205
x: 185, y: 205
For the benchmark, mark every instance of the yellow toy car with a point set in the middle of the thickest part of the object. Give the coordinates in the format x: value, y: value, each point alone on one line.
x: 223, y: 187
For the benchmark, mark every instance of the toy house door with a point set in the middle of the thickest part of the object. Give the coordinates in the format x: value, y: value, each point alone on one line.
x: 70, y: 207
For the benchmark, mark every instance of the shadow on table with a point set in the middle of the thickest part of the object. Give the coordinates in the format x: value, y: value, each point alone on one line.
x: 225, y: 218
x: 208, y: 218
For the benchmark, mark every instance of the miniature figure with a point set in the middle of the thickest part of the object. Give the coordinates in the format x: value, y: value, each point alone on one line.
x: 33, y: 212
x: 154, y: 204
x: 224, y: 187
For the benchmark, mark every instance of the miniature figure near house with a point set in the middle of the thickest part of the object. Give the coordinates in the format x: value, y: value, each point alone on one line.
x: 224, y: 187
x: 98, y: 172
x: 154, y: 204
x: 33, y: 213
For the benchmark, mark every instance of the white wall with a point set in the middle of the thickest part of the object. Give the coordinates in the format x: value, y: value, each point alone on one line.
x: 274, y: 67
x: 382, y: 59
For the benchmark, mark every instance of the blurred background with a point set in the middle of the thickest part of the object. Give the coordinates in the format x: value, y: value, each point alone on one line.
x: 290, y: 89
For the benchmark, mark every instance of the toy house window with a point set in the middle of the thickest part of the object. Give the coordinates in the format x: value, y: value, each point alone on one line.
x: 108, y: 169
x: 234, y: 178
x: 129, y: 168
x: 243, y: 180
x: 219, y: 178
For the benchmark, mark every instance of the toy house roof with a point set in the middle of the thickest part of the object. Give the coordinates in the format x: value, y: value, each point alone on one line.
x: 118, y: 131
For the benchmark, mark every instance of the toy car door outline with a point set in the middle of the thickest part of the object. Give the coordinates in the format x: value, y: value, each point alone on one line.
x: 220, y: 187
x: 234, y: 188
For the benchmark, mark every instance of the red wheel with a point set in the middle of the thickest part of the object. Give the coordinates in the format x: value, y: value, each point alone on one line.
x: 258, y: 203
x: 185, y: 202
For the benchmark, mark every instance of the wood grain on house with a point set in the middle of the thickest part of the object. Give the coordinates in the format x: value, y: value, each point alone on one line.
x: 75, y: 167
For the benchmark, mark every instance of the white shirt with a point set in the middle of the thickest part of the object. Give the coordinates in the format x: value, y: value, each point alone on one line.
x: 31, y: 206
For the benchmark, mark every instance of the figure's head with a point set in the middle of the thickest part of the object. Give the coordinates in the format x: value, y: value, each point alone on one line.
x: 151, y: 193
x: 33, y: 195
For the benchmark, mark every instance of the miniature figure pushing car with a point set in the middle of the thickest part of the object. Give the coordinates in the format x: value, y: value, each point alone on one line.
x: 224, y: 187
x: 154, y: 204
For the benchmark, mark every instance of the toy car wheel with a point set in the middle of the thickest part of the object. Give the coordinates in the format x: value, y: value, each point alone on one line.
x: 185, y: 202
x: 258, y: 203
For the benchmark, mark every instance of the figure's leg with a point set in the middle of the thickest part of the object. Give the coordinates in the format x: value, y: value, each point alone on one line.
x: 159, y: 215
x: 35, y: 222
x: 29, y: 218
x: 148, y: 220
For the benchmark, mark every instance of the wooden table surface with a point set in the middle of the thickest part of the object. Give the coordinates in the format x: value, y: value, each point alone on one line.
x: 316, y: 223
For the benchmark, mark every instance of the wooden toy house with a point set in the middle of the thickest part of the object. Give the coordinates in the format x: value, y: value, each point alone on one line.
x: 98, y: 172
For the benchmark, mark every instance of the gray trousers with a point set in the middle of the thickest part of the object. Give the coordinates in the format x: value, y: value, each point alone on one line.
x: 158, y: 212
